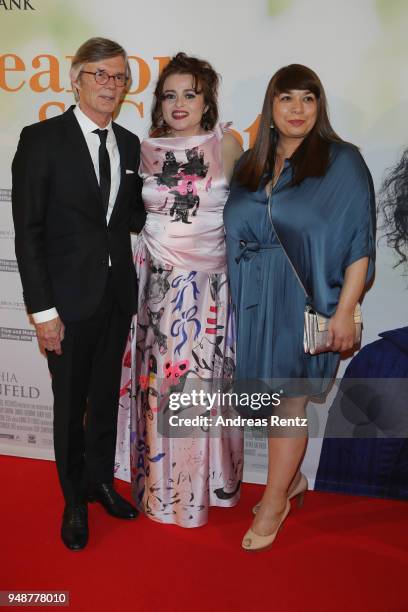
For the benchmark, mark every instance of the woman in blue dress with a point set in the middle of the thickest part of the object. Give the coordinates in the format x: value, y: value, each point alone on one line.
x: 299, y: 223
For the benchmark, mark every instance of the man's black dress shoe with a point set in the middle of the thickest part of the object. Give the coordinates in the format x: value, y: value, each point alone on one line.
x: 74, y: 529
x: 113, y: 503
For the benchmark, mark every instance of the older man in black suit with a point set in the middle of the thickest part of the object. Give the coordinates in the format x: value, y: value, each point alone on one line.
x: 76, y: 198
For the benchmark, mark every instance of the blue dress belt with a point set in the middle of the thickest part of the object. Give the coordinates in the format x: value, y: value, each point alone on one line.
x: 251, y: 276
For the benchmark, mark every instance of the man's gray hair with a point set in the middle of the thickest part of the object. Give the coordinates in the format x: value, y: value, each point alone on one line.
x: 95, y: 50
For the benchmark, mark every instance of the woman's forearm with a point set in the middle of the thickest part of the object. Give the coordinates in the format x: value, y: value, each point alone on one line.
x: 354, y: 283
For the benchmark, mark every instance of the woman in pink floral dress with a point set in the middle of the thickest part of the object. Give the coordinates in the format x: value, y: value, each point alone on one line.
x: 184, y: 337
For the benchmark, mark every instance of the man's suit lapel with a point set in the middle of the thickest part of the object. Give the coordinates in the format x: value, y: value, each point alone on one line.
x: 120, y: 141
x: 82, y: 159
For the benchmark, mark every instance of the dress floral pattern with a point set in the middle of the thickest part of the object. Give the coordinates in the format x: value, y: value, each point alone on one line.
x: 184, y: 336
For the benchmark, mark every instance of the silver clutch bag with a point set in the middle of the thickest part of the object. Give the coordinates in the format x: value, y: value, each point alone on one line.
x: 316, y: 330
x: 316, y: 326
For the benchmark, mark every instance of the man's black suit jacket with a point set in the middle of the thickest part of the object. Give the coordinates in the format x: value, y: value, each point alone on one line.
x: 63, y: 242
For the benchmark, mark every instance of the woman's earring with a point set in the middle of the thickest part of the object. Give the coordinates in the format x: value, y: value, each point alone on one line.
x: 272, y: 126
x: 204, y: 121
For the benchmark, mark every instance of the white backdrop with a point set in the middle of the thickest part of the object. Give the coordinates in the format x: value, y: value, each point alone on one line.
x: 359, y: 49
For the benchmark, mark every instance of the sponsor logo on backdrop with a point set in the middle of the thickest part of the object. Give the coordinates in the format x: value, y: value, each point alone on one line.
x: 17, y: 333
x: 17, y: 5
x: 12, y: 305
x: 4, y: 436
x: 5, y: 195
x: 22, y: 418
x: 8, y: 265
x: 10, y: 386
x: 7, y: 235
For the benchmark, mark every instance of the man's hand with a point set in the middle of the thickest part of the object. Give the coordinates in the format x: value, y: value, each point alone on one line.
x: 50, y: 335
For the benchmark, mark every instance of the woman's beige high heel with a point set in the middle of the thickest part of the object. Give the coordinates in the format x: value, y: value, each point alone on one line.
x: 253, y: 542
x: 298, y: 492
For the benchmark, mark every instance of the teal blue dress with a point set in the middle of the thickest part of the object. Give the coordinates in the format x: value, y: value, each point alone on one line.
x: 320, y: 227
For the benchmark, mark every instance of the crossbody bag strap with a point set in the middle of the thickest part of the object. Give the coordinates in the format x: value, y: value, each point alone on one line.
x: 283, y: 248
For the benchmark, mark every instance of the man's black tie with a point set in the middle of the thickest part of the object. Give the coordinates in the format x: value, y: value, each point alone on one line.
x: 104, y: 168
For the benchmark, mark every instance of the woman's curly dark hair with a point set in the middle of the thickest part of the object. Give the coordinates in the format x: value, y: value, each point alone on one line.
x: 205, y: 80
x: 393, y: 204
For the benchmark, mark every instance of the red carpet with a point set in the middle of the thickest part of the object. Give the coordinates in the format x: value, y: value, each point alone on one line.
x: 336, y: 553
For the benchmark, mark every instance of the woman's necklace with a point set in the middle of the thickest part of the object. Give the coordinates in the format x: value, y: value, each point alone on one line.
x: 279, y: 163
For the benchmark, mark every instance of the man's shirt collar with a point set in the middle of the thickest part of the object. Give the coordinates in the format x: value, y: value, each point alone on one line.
x: 86, y: 124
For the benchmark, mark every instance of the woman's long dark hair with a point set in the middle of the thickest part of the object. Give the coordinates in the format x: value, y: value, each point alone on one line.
x: 311, y: 158
x: 393, y: 204
x: 205, y: 80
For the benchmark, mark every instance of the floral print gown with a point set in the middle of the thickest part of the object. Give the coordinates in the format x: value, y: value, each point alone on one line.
x: 183, y: 338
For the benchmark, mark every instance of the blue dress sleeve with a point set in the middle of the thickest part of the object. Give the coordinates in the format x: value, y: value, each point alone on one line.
x: 327, y: 223
x: 360, y: 221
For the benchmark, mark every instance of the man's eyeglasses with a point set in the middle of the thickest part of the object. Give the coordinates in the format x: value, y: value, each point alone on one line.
x: 102, y: 77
